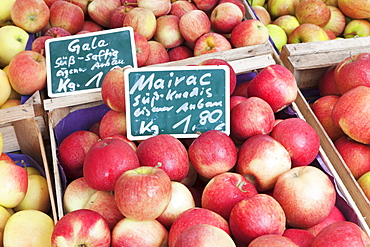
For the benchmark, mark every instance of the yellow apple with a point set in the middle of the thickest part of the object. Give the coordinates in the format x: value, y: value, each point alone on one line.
x: 5, y: 10
x: 5, y: 86
x: 1, y: 143
x: 364, y: 183
x: 13, y: 40
x: 4, y: 216
x: 277, y: 35
x: 32, y: 170
x: 10, y: 103
x: 30, y: 228
x: 37, y: 196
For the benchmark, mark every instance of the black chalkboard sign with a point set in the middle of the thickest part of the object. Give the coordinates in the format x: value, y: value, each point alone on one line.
x: 78, y: 63
x: 182, y: 101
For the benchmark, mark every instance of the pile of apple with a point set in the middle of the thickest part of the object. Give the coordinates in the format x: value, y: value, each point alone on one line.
x: 255, y: 187
x: 164, y: 31
x: 24, y: 204
x: 344, y: 113
x: 313, y: 20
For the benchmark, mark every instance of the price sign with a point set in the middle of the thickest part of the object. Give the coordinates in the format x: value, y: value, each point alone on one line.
x: 182, y: 101
x: 78, y: 63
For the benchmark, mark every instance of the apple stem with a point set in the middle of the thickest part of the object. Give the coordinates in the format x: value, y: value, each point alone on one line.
x: 24, y: 165
x: 159, y: 164
x: 353, y: 33
x: 240, y: 186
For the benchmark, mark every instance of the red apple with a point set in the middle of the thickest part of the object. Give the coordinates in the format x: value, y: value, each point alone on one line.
x: 82, y: 227
x: 165, y: 152
x: 142, y: 21
x: 355, y: 154
x: 323, y: 108
x: 313, y: 11
x: 100, y: 11
x: 157, y: 53
x: 76, y: 195
x: 168, y: 31
x: 241, y: 89
x: 299, y: 138
x: 113, y: 123
x: 261, y: 160
x: 249, y: 32
x: 91, y: 26
x: 27, y: 72
x: 205, y: 5
x: 191, y: 177
x: 272, y: 240
x: 353, y: 71
x: 180, y: 52
x: 143, y: 193
x: 334, y: 216
x: 351, y: 114
x: 106, y: 160
x: 306, y: 194
x: 337, y: 21
x: 301, y: 237
x: 220, y: 61
x: 179, y: 8
x: 225, y: 16
x: 38, y: 44
x: 66, y: 15
x: 262, y: 14
x: 82, y: 4
x: 158, y: 7
x: 332, y: 235
x: 194, y: 18
x: 104, y: 203
x: 181, y: 200
x: 72, y: 151
x: 142, y: 49
x: 211, y: 42
x: 204, y: 235
x: 252, y: 116
x: 13, y: 184
x: 276, y: 85
x: 224, y: 191
x: 113, y: 90
x: 118, y: 15
x: 56, y: 32
x: 240, y: 4
x: 192, y: 217
x: 326, y: 84
x: 256, y: 216
x: 124, y: 138
x: 212, y: 153
x: 129, y: 232
x: 95, y: 128
x: 30, y: 15
x: 355, y: 9
x: 234, y: 100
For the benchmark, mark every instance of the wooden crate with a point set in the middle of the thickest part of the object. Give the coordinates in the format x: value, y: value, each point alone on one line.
x: 308, y: 67
x: 243, y: 65
x: 22, y: 128
x: 308, y: 61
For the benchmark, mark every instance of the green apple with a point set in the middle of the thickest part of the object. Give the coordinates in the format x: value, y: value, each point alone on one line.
x: 6, y: 89
x: 5, y: 10
x: 277, y: 35
x: 357, y: 28
x: 278, y: 8
x: 307, y: 32
x: 287, y: 22
x: 256, y: 2
x: 13, y: 40
x: 364, y: 183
